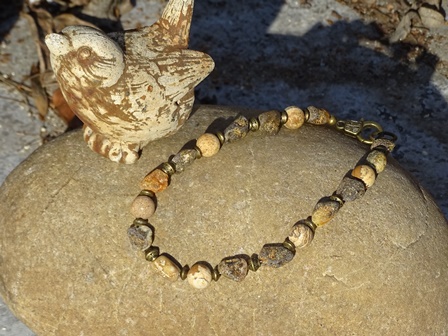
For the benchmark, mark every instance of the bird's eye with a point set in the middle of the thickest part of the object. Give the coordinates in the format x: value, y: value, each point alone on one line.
x: 84, y: 53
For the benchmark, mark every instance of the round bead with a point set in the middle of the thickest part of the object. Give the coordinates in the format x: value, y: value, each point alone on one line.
x: 365, y: 173
x: 234, y: 268
x: 199, y: 276
x: 166, y: 267
x: 143, y: 207
x: 270, y: 122
x: 155, y: 181
x: 208, y: 144
x: 324, y: 211
x: 378, y: 160
x: 301, y: 234
x: 296, y: 117
x: 318, y: 116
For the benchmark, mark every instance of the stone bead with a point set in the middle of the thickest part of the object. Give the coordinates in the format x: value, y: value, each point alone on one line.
x: 296, y: 117
x: 183, y: 159
x: 143, y: 207
x: 166, y: 267
x: 377, y: 159
x: 234, y: 268
x: 383, y: 142
x: 318, y: 116
x: 208, y: 144
x: 140, y: 235
x: 275, y: 255
x: 324, y: 211
x: 270, y: 122
x: 366, y: 174
x: 199, y: 276
x: 301, y: 234
x: 155, y: 181
x: 238, y: 129
x: 350, y: 189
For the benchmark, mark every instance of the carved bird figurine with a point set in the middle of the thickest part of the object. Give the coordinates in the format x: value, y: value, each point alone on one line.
x: 130, y: 87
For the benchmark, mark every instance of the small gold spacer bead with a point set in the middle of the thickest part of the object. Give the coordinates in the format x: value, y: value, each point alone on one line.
x: 198, y: 152
x: 147, y: 193
x: 254, y: 263
x: 215, y: 274
x: 140, y: 221
x: 254, y: 124
x: 338, y: 199
x: 308, y: 222
x: 307, y: 114
x: 152, y: 253
x: 184, y: 272
x: 289, y: 245
x: 221, y: 137
x: 167, y: 168
x: 284, y: 118
x: 332, y: 121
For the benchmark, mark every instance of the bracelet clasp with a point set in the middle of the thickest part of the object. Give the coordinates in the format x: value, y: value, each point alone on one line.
x: 364, y: 131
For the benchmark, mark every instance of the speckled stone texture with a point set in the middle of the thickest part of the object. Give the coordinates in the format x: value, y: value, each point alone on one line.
x: 67, y: 267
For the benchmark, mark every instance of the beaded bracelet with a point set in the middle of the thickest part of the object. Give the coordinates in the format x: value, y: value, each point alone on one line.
x: 352, y: 186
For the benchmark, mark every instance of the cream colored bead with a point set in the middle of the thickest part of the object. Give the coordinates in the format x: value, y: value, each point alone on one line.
x: 199, y: 276
x: 166, y: 267
x: 365, y: 173
x: 296, y: 117
x: 301, y: 235
x: 143, y: 207
x: 377, y: 159
x: 208, y: 144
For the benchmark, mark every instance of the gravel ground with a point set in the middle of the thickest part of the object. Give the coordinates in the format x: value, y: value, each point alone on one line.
x: 279, y: 53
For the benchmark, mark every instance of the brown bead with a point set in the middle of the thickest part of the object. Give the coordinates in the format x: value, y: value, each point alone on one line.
x: 143, y: 207
x: 388, y: 144
x: 275, y: 255
x: 183, y: 159
x: 296, y: 117
x: 318, y: 116
x: 234, y: 268
x: 199, y: 276
x: 238, y: 129
x: 366, y: 174
x: 324, y: 211
x: 141, y: 236
x: 350, y: 189
x: 378, y: 160
x: 301, y: 234
x: 208, y: 144
x: 270, y: 122
x: 166, y: 267
x: 155, y: 181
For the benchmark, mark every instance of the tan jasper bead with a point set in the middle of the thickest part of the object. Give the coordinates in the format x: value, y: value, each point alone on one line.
x: 155, y: 181
x: 208, y: 144
x: 296, y: 117
x: 166, y: 267
x: 324, y: 211
x: 143, y: 207
x: 378, y: 160
x: 365, y: 174
x: 199, y: 276
x: 301, y: 235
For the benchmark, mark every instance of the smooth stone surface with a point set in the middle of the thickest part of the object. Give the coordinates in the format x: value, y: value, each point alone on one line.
x: 67, y: 266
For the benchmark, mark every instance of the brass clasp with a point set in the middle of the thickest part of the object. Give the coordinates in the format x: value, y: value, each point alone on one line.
x: 364, y: 131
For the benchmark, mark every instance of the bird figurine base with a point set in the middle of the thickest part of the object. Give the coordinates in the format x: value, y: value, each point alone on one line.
x: 132, y: 87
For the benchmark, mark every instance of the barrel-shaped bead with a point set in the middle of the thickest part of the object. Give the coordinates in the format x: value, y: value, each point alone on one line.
x: 155, y: 181
x: 234, y: 268
x: 324, y: 211
x: 365, y: 173
x: 275, y: 255
x: 184, y: 158
x: 270, y: 122
x: 199, y: 276
x: 318, y: 116
x: 238, y: 129
x: 377, y: 159
x: 296, y: 117
x: 208, y: 144
x: 350, y: 189
x: 166, y: 267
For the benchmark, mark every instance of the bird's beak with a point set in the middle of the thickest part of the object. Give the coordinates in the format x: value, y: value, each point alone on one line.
x: 58, y: 44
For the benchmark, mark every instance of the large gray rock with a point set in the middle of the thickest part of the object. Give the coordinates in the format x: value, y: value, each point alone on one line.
x: 67, y: 268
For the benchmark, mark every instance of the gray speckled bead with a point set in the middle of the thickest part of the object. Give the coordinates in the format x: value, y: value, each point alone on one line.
x: 378, y: 160
x: 234, y: 268
x: 350, y: 189
x: 301, y: 234
x: 275, y: 255
x: 324, y: 211
x: 238, y: 129
x: 270, y: 122
x: 140, y: 236
x: 183, y: 159
x: 382, y: 142
x: 317, y: 116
